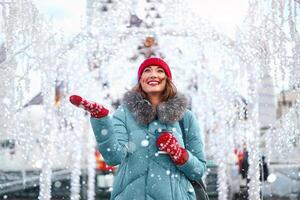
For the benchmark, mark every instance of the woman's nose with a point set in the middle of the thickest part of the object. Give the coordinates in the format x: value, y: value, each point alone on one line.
x: 153, y: 74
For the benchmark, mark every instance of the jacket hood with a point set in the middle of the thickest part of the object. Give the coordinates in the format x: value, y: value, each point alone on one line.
x: 169, y: 111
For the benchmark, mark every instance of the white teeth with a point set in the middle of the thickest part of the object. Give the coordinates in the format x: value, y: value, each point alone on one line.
x: 153, y: 83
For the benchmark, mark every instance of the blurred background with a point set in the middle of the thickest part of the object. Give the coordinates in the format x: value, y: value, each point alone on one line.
x: 238, y: 62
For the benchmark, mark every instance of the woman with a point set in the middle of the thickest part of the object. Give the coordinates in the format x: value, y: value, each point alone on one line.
x: 144, y: 138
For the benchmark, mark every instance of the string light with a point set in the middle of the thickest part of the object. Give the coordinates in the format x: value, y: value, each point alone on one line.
x: 221, y: 75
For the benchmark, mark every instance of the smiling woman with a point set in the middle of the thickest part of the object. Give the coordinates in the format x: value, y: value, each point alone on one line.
x: 144, y: 137
x: 155, y: 81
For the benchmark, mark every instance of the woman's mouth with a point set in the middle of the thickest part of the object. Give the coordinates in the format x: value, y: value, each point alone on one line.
x: 153, y: 83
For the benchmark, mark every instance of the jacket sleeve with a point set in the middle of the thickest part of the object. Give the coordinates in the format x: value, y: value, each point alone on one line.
x: 111, y: 136
x: 195, y: 167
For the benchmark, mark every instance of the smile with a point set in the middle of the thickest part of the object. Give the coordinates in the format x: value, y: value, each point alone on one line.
x: 153, y: 83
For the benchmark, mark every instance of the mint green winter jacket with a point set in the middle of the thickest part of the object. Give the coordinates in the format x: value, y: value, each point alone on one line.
x: 128, y: 139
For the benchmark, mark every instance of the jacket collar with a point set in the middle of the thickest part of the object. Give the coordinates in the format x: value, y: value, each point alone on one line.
x: 167, y: 112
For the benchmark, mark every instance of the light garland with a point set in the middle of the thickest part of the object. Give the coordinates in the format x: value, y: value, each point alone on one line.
x: 223, y: 79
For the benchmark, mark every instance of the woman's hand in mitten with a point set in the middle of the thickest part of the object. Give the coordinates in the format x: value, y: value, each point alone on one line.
x: 168, y: 143
x: 96, y: 110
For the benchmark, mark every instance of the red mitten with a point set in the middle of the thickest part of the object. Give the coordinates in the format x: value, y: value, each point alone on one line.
x: 168, y: 143
x: 96, y: 110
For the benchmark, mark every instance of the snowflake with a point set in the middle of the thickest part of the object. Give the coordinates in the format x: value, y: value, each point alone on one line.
x: 104, y: 132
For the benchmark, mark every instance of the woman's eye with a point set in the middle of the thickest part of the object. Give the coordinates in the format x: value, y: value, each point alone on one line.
x: 161, y: 71
x: 147, y: 70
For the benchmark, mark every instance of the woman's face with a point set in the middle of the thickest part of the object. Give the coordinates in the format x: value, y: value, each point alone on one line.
x: 153, y: 80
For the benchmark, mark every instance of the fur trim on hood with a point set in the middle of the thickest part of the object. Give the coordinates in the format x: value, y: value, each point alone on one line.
x: 169, y: 111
